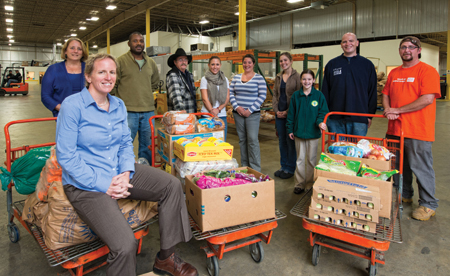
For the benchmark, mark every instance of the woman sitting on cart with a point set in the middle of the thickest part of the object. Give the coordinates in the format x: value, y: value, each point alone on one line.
x: 95, y: 151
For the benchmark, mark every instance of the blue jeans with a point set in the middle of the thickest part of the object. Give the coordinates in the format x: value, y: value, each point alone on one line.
x: 347, y: 127
x: 138, y: 122
x: 288, y: 154
x: 12, y: 81
x: 247, y: 129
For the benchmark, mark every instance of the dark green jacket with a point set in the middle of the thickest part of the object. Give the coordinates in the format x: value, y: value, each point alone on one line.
x: 306, y: 113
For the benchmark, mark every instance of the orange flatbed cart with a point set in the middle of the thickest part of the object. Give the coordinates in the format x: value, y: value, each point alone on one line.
x: 370, y: 246
x: 73, y: 258
x: 230, y: 238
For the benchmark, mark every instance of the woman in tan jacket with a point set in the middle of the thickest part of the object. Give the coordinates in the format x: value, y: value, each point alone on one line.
x: 286, y: 83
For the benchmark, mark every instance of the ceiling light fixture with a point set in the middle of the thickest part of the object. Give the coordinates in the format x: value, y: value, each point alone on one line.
x: 94, y: 18
x: 237, y: 13
x: 9, y: 8
x: 82, y: 28
x: 11, y: 40
x: 65, y: 40
x: 295, y: 1
x: 9, y: 44
x: 9, y: 36
x: 111, y: 7
x: 9, y: 29
x: 58, y: 44
x: 73, y: 34
x: 204, y: 22
x: 9, y: 20
x: 95, y: 46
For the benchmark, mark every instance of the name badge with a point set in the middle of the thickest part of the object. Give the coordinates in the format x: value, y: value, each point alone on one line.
x: 337, y: 71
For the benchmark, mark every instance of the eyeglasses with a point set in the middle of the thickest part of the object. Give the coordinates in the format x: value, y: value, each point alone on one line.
x: 182, y: 59
x: 403, y: 48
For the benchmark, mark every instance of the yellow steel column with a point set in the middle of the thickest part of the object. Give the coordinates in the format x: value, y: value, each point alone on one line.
x: 108, y: 41
x: 147, y: 28
x: 87, y: 47
x: 242, y: 27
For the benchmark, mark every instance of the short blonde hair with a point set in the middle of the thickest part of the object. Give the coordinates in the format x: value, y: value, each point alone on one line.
x: 83, y: 47
x: 89, y: 67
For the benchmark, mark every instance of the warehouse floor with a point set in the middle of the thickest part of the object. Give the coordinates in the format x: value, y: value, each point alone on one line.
x: 424, y: 251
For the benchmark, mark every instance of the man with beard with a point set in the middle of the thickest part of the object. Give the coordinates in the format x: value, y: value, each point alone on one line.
x: 410, y: 93
x: 180, y: 83
x: 137, y: 78
x: 350, y: 85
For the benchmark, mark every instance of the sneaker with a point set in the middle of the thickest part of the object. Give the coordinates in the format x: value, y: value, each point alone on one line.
x: 423, y: 213
x: 174, y: 266
x: 407, y: 200
x: 285, y: 175
x: 298, y: 190
x: 278, y: 173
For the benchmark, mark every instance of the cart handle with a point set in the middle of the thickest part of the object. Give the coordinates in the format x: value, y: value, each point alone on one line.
x: 402, y: 138
x: 8, y: 136
x: 152, y: 129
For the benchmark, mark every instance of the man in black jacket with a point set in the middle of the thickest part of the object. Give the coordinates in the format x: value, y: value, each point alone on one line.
x: 350, y: 85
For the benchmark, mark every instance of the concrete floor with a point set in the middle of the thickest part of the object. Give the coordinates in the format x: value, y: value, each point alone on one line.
x: 424, y: 251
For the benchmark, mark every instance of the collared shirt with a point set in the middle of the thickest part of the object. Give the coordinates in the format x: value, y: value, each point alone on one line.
x: 93, y: 145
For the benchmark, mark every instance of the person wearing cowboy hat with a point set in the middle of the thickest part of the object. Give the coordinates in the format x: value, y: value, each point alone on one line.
x: 180, y: 83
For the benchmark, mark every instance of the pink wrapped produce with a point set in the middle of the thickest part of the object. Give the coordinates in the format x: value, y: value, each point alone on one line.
x: 208, y: 182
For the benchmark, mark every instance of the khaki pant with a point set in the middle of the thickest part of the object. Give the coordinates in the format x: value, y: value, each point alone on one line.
x: 102, y: 214
x: 306, y: 161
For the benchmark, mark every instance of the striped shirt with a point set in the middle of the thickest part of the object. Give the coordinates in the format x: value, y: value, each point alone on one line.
x: 249, y: 95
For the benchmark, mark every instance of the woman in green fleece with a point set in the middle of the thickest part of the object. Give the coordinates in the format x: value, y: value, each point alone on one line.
x: 307, y: 110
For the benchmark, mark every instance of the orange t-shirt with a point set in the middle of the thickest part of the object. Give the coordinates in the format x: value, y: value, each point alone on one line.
x: 404, y: 86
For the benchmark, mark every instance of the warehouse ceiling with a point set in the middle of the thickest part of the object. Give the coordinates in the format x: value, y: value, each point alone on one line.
x: 52, y: 21
x: 45, y: 22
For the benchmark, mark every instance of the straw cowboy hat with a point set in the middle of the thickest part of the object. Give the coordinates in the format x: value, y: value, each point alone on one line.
x: 180, y: 52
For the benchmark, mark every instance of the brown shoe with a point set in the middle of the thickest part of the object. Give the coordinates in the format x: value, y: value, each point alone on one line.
x: 423, y: 213
x: 407, y: 200
x: 173, y: 266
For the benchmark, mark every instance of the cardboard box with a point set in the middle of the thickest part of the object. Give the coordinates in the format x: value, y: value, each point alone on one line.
x: 229, y: 206
x: 376, y: 164
x: 351, y: 192
x: 161, y: 103
x: 340, y: 220
x: 203, y: 153
x: 166, y: 142
x: 385, y: 188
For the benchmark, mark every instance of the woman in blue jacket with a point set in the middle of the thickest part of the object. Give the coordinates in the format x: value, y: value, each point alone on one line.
x: 65, y: 78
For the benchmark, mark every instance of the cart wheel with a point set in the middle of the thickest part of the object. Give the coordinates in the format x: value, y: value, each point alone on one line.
x: 212, y: 264
x: 13, y: 233
x: 257, y: 252
x: 373, y: 269
x: 2, y: 92
x: 315, y: 254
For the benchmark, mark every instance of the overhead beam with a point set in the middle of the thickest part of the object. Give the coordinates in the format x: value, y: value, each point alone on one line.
x: 138, y: 9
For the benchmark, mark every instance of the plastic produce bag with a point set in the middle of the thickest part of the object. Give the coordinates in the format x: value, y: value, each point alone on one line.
x: 346, y: 149
x: 50, y: 173
x: 25, y: 171
x: 368, y: 172
x: 188, y: 168
x: 329, y: 164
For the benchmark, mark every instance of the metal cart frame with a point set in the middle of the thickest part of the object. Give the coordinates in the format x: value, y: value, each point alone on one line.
x: 370, y: 246
x: 73, y: 257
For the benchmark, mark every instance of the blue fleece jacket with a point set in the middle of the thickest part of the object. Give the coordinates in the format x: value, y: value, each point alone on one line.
x: 351, y: 86
x: 56, y: 85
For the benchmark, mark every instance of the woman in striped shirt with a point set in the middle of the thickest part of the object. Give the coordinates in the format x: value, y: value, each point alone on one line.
x: 247, y: 93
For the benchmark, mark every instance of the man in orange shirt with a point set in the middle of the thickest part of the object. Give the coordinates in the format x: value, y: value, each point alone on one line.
x: 410, y: 92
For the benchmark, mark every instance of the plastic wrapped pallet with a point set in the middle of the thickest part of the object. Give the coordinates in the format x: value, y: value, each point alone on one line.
x: 189, y: 168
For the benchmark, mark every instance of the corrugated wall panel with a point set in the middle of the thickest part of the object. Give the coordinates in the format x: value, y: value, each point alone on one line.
x: 322, y: 25
x: 286, y: 30
x: 364, y: 18
x: 266, y: 32
x: 434, y: 16
x: 384, y: 18
x: 409, y: 16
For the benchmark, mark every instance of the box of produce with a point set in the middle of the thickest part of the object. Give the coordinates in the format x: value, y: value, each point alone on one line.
x: 335, y: 219
x: 166, y: 141
x: 199, y: 149
x: 335, y: 172
x: 346, y: 198
x: 218, y: 199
